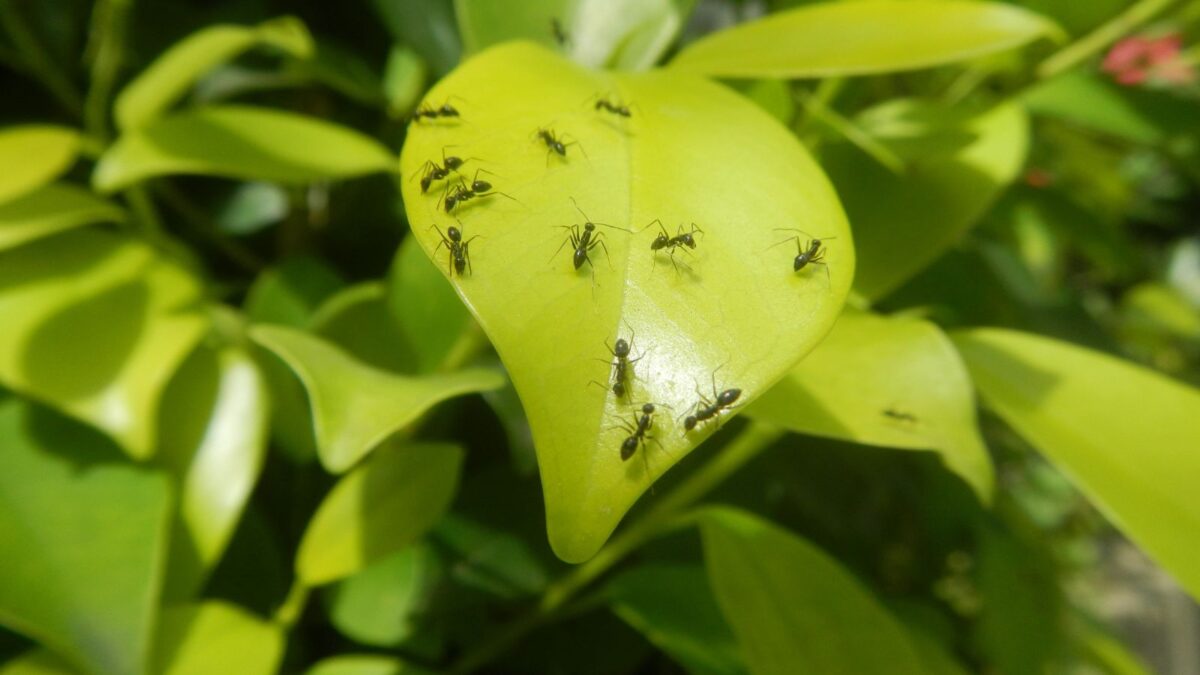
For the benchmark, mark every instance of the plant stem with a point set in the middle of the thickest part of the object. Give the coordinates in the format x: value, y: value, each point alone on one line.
x: 293, y: 605
x: 1075, y: 53
x: 661, y: 517
x: 109, y: 21
x: 35, y: 56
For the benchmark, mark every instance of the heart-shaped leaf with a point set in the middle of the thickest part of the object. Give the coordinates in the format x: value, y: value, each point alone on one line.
x: 732, y: 311
x: 897, y: 383
x: 356, y: 407
x: 50, y: 209
x: 870, y: 36
x: 240, y: 141
x: 33, y: 155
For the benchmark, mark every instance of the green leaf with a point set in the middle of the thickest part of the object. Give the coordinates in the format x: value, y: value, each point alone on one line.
x: 364, y: 664
x: 1085, y: 100
x: 1126, y: 435
x: 217, y: 637
x: 238, y: 141
x: 956, y: 166
x: 33, y: 155
x: 252, y: 207
x: 290, y: 292
x: 37, y: 662
x: 792, y: 607
x: 550, y: 322
x: 426, y: 310
x: 83, y: 539
x: 623, y: 34
x: 215, y: 443
x: 403, y: 80
x: 49, y: 210
x: 379, y: 508
x: 896, y: 383
x: 167, y: 79
x: 95, y: 324
x: 359, y: 320
x: 380, y: 605
x: 356, y: 407
x: 860, y: 38
x: 674, y: 608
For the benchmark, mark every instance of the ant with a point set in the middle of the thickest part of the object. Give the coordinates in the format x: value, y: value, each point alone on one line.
x: 706, y: 410
x: 805, y: 253
x: 461, y: 193
x: 584, y: 241
x: 459, y: 257
x: 637, y: 432
x: 604, y: 103
x: 431, y: 170
x: 560, y: 34
x: 900, y: 416
x: 620, y: 352
x: 681, y: 239
x: 427, y: 111
x: 554, y: 143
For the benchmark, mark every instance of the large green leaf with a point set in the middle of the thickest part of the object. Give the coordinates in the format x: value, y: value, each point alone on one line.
x: 858, y: 38
x: 33, y: 155
x: 1126, y: 435
x: 238, y: 141
x: 624, y: 34
x: 215, y: 442
x: 427, y: 312
x: 674, y: 160
x: 674, y: 608
x: 359, y: 320
x: 50, y: 209
x: 356, y: 407
x: 897, y: 383
x: 95, y: 324
x: 382, y: 506
x: 793, y: 608
x: 83, y: 539
x: 216, y: 637
x: 1084, y: 99
x: 955, y: 166
x: 379, y: 605
x: 170, y: 76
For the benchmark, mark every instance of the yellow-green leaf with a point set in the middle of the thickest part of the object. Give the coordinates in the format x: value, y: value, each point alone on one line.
x: 95, y: 324
x: 793, y: 608
x: 33, y: 155
x: 858, y: 38
x: 168, y: 78
x: 687, y: 154
x: 1126, y: 435
x: 238, y: 141
x: 356, y: 407
x: 214, y: 440
x: 896, y: 383
x: 37, y: 662
x: 83, y: 539
x: 216, y: 637
x: 50, y: 209
x: 380, y: 507
x: 364, y: 664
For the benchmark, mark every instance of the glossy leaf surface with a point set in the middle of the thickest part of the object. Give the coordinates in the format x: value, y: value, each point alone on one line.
x: 137, y: 310
x: 792, y: 607
x: 239, y: 141
x: 356, y: 407
x: 672, y: 160
x: 831, y: 39
x: 896, y: 383
x: 49, y: 210
x: 1125, y: 434
x: 83, y: 540
x: 172, y: 73
x: 33, y: 155
x: 381, y: 507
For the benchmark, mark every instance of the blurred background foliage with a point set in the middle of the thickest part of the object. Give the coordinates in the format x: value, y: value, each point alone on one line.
x: 159, y: 515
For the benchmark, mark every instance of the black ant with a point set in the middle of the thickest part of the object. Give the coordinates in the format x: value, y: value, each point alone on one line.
x: 603, y: 103
x: 427, y: 111
x: 585, y: 241
x: 554, y: 143
x: 431, y: 170
x: 706, y: 410
x: 681, y: 239
x: 637, y: 432
x: 900, y: 416
x: 459, y: 258
x: 805, y: 253
x: 559, y: 33
x: 620, y: 352
x: 461, y: 193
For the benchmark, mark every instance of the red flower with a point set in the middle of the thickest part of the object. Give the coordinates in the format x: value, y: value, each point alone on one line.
x: 1137, y: 59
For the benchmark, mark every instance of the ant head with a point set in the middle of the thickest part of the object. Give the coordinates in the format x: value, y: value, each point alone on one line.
x: 648, y: 408
x: 448, y: 110
x: 688, y: 241
x: 621, y: 348
x: 588, y: 227
x: 560, y: 148
x: 628, y: 447
x: 728, y: 396
x: 453, y: 233
x: 689, y: 422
